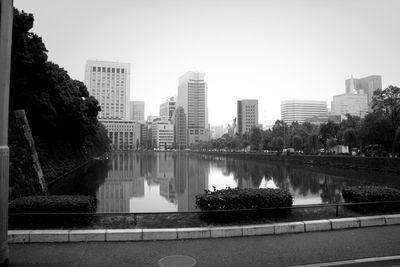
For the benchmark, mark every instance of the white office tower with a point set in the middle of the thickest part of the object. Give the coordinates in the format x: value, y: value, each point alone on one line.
x: 301, y: 110
x: 162, y: 134
x: 192, y: 96
x: 109, y: 83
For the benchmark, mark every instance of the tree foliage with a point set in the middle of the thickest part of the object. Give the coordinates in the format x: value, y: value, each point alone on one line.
x: 58, y: 108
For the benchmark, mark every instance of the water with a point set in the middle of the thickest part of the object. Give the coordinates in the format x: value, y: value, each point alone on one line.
x: 169, y: 181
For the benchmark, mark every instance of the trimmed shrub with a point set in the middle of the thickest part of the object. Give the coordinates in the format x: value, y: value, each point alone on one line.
x: 370, y: 194
x: 239, y: 199
x: 356, y: 194
x: 234, y: 199
x: 37, y: 205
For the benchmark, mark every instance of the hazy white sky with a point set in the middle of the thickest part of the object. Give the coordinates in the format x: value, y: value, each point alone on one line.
x: 266, y: 50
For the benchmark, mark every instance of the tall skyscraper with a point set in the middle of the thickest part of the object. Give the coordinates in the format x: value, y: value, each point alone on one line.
x: 247, y: 115
x: 136, y: 110
x: 300, y: 110
x: 109, y: 83
x: 168, y: 107
x: 366, y: 85
x: 192, y: 96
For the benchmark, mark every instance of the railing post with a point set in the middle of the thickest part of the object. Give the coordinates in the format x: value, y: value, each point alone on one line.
x: 337, y: 210
x: 6, y: 18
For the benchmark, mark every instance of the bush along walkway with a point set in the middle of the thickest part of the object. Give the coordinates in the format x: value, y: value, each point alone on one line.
x: 35, y: 236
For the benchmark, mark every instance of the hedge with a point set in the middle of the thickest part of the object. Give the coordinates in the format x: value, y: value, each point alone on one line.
x: 234, y: 199
x: 357, y: 194
x: 370, y: 194
x: 56, y: 204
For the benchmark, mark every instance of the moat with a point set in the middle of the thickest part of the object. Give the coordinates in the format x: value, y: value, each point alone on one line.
x: 169, y: 181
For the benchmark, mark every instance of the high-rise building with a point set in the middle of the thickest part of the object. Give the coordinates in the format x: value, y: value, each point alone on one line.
x: 300, y: 110
x: 180, y: 130
x: 136, y: 110
x: 109, y: 83
x: 192, y: 96
x: 366, y: 85
x: 217, y: 131
x: 247, y: 115
x: 168, y: 107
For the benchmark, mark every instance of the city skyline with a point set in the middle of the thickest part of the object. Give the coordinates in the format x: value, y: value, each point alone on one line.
x: 266, y: 50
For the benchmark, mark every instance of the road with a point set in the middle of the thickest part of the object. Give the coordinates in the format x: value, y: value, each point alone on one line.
x: 278, y: 250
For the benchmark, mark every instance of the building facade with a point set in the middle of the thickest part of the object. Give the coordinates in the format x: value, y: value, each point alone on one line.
x: 301, y: 110
x: 109, y: 83
x: 162, y: 134
x: 136, y: 110
x: 180, y: 129
x: 124, y: 134
x: 247, y: 115
x: 192, y: 97
x: 168, y: 107
x: 353, y: 104
x: 366, y: 85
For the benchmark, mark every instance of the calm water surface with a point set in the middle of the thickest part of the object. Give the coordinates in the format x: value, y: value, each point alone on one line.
x: 169, y: 181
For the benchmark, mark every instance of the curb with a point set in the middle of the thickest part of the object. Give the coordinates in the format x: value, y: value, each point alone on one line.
x: 110, y: 235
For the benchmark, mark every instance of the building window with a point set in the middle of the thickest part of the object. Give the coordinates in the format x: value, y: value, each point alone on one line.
x: 104, y: 69
x: 108, y: 69
x: 94, y: 69
x: 122, y: 70
x: 98, y: 69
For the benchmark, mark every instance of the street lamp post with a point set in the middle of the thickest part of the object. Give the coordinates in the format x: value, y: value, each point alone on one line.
x: 6, y: 18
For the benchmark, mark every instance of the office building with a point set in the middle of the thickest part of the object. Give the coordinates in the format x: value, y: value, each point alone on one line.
x: 136, y: 110
x: 109, y: 83
x: 353, y: 104
x: 217, y: 131
x: 124, y: 134
x: 301, y: 110
x: 192, y: 96
x: 162, y: 134
x: 168, y: 107
x: 366, y: 85
x: 180, y: 129
x: 247, y: 115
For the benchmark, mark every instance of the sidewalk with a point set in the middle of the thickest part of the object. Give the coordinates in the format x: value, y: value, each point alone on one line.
x: 269, y: 250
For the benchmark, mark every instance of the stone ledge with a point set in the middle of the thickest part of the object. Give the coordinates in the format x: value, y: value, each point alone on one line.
x: 372, y: 221
x: 87, y: 235
x: 160, y: 234
x: 193, y: 233
x: 290, y: 227
x: 229, y: 231
x: 392, y: 219
x: 344, y: 223
x: 39, y: 236
x: 19, y: 236
x: 263, y: 229
x: 317, y: 225
x: 124, y: 234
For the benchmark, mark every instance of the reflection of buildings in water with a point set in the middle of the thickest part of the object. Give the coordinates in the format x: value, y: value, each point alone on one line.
x: 191, y: 179
x: 167, y: 190
x: 123, y: 182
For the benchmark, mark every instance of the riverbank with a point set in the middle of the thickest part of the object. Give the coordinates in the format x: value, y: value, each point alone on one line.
x: 379, y: 165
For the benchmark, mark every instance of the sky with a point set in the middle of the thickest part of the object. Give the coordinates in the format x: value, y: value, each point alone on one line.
x: 270, y: 50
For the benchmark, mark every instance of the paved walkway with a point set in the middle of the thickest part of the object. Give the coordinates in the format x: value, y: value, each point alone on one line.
x: 272, y: 250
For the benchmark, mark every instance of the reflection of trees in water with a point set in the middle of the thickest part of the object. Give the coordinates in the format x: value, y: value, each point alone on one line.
x: 302, y: 181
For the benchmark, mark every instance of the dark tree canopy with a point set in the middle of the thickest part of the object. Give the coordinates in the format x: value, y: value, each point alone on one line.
x: 57, y: 107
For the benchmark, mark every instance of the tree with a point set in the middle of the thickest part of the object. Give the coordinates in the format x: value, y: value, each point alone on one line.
x: 326, y: 131
x: 59, y: 109
x: 255, y: 138
x: 279, y: 144
x: 388, y: 103
x: 397, y: 139
x: 375, y: 129
x: 349, y: 137
x: 313, y: 142
x: 297, y: 143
